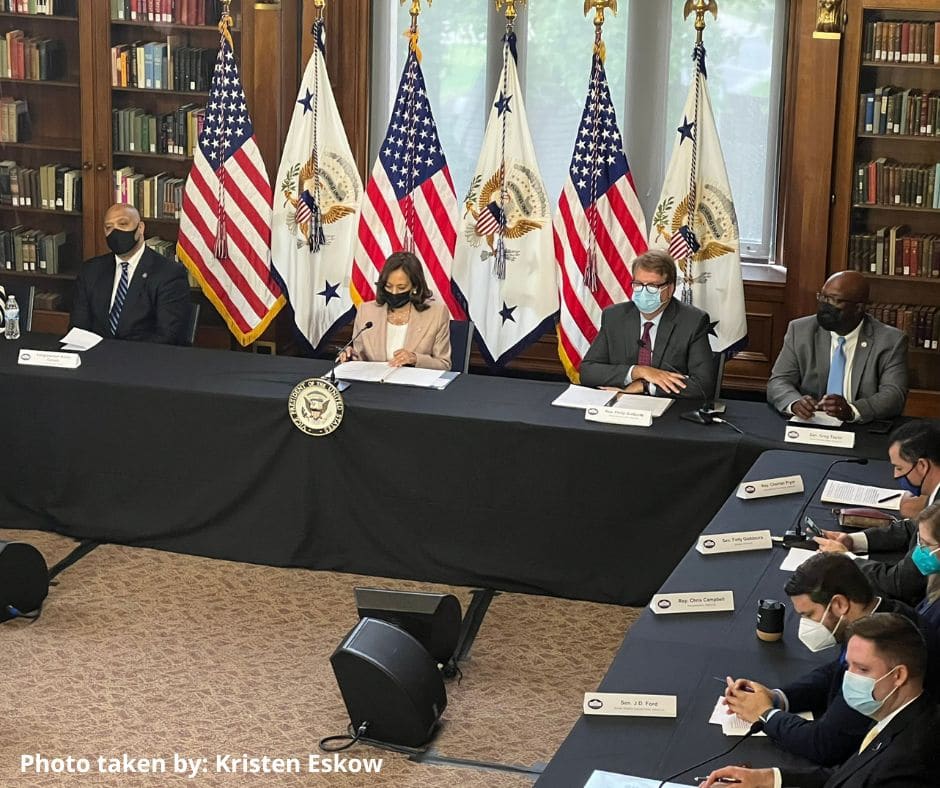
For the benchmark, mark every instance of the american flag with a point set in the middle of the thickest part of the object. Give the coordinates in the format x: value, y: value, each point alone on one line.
x: 410, y: 202
x: 225, y: 227
x: 599, y: 227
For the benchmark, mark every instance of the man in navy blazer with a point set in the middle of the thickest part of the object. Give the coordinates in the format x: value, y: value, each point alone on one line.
x: 653, y: 344
x: 154, y: 291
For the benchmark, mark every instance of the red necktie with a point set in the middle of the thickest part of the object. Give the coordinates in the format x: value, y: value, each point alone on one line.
x: 646, y: 346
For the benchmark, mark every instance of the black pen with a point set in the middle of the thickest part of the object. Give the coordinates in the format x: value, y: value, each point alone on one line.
x: 889, y: 498
x: 719, y: 781
x: 725, y: 682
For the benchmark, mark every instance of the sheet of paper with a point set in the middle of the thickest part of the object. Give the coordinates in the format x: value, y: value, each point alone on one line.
x: 364, y: 371
x: 582, y: 397
x: 861, y: 495
x: 600, y: 779
x: 732, y: 724
x: 818, y: 418
x: 414, y: 376
x: 655, y: 405
x: 80, y: 339
x: 795, y: 557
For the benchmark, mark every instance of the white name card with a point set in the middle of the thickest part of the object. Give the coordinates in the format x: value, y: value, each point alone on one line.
x: 626, y: 416
x: 693, y: 602
x: 766, y: 488
x: 49, y: 358
x: 734, y: 542
x: 628, y: 704
x: 817, y: 437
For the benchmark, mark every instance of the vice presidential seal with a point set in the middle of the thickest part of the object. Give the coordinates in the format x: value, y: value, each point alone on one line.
x: 315, y: 406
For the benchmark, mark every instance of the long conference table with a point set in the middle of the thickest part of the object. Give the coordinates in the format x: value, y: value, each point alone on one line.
x: 481, y: 484
x: 682, y: 654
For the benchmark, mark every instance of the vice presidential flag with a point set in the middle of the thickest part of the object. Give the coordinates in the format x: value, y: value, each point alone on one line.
x: 316, y: 207
x: 409, y: 203
x: 504, y: 263
x: 695, y: 219
x: 599, y: 226
x: 225, y: 226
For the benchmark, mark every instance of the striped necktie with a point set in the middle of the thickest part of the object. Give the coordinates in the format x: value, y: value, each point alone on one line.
x: 836, y: 384
x: 119, y: 297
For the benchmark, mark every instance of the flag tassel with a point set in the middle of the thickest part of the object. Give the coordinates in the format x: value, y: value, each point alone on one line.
x: 499, y: 259
x: 316, y: 238
x: 590, y: 272
x: 221, y: 241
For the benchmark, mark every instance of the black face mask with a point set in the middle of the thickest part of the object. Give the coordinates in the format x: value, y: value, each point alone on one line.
x: 396, y: 300
x: 829, y: 317
x: 122, y: 241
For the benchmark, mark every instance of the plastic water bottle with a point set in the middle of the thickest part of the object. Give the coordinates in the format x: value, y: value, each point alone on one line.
x: 11, y: 316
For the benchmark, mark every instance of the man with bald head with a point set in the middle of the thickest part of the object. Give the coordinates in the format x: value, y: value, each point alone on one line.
x: 841, y: 361
x: 133, y: 293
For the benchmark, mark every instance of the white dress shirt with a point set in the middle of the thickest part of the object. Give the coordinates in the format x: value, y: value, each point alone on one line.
x: 131, y: 267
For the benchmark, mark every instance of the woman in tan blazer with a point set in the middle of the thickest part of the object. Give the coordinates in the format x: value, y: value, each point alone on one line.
x: 406, y: 331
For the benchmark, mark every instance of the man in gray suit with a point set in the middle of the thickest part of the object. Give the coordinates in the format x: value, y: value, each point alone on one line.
x: 841, y: 361
x: 653, y: 344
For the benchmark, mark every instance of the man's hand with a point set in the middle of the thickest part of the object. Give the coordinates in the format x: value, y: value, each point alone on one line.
x: 672, y: 382
x: 746, y: 778
x: 804, y: 407
x: 403, y: 358
x: 834, y: 542
x: 747, y: 699
x: 834, y: 405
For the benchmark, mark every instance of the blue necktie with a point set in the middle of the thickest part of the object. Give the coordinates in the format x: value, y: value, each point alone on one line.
x: 119, y: 297
x: 836, y: 384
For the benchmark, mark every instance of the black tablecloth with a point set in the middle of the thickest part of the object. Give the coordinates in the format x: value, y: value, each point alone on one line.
x: 682, y: 654
x: 482, y: 484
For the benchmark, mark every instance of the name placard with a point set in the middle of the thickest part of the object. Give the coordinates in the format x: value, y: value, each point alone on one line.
x: 49, y: 358
x: 817, y: 437
x: 767, y: 488
x: 734, y: 542
x: 693, y: 602
x: 629, y: 704
x: 627, y: 416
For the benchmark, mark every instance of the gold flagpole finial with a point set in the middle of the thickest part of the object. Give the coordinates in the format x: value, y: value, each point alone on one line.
x: 599, y: 7
x: 226, y: 22
x: 700, y: 7
x: 510, y: 8
x: 415, y: 11
x: 319, y: 5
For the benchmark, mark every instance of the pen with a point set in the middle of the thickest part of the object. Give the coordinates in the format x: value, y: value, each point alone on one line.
x: 719, y: 781
x: 889, y: 498
x: 725, y: 682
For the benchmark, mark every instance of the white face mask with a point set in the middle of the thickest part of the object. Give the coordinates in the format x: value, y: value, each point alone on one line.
x: 815, y: 635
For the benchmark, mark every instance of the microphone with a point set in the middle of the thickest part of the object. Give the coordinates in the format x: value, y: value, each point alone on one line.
x: 340, y: 352
x: 757, y: 727
x: 796, y: 536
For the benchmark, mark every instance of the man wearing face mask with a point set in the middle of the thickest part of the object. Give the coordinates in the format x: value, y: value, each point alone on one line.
x: 841, y: 361
x: 829, y: 592
x: 915, y: 454
x: 653, y: 344
x: 884, y: 681
x: 132, y: 293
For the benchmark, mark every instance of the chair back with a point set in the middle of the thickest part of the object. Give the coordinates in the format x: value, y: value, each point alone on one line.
x: 461, y: 336
x: 25, y: 296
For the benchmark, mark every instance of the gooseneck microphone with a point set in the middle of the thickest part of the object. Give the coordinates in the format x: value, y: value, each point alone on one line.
x: 798, y: 523
x: 343, y: 349
x: 757, y: 727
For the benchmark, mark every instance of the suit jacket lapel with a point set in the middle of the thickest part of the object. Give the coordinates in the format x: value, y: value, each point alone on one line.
x: 134, y: 288
x: 379, y: 333
x: 417, y: 325
x: 631, y: 334
x: 666, y: 325
x: 823, y: 359
x: 862, y: 354
x: 103, y: 288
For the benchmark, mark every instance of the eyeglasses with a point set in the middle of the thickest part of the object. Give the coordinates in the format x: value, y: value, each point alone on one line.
x: 651, y: 289
x: 922, y: 543
x: 822, y: 298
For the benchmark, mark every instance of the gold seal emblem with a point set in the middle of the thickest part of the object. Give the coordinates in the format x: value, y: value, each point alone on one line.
x: 315, y: 406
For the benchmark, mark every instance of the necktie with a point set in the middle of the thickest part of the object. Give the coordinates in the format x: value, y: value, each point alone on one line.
x: 836, y: 384
x: 119, y: 297
x: 645, y: 358
x: 869, y: 738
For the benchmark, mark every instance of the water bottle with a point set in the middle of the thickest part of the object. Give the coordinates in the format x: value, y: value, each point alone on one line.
x: 11, y: 315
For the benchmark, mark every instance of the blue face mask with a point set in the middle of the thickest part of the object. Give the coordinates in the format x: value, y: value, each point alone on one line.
x: 646, y: 302
x: 926, y: 560
x: 858, y: 692
x: 905, y: 484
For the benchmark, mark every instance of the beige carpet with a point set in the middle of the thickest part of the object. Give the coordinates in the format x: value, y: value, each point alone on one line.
x: 151, y: 653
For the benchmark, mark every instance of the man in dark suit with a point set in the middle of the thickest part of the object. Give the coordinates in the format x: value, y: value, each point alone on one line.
x: 134, y: 293
x: 841, y: 361
x: 829, y: 592
x: 887, y: 662
x: 653, y: 344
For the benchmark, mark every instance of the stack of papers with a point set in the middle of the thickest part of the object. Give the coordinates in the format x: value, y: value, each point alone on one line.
x: 861, y: 495
x: 583, y: 397
x: 79, y: 339
x: 732, y: 724
x: 599, y: 779
x: 818, y: 419
x: 381, y: 372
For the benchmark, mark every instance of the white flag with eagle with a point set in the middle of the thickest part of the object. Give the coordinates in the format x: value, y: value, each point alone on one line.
x: 504, y: 263
x: 316, y: 206
x: 696, y: 222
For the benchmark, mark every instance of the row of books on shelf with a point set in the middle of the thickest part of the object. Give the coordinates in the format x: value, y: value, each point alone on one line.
x: 919, y: 321
x: 30, y: 251
x: 895, y: 251
x: 168, y: 250
x: 180, y: 12
x: 134, y: 130
x: 15, y: 125
x: 157, y: 196
x: 886, y: 182
x: 893, y: 110
x: 162, y: 65
x: 45, y: 7
x: 902, y: 41
x: 22, y: 57
x: 55, y: 187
